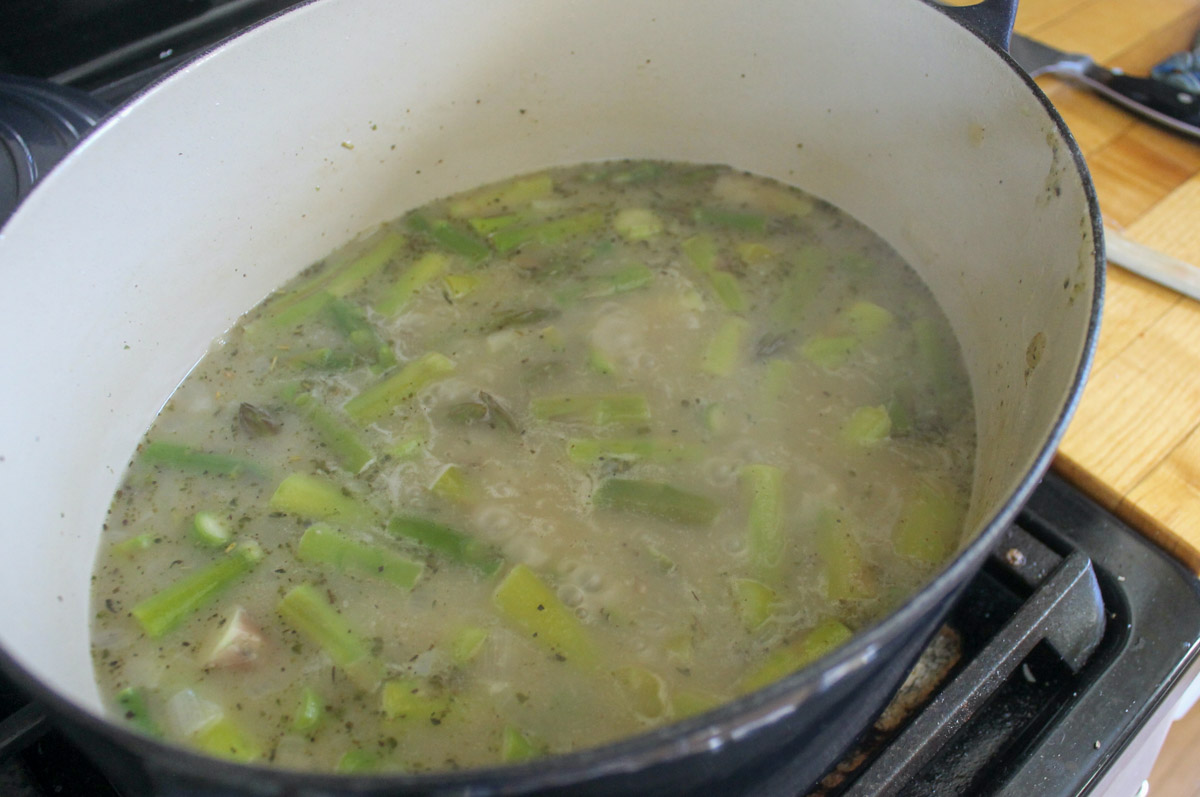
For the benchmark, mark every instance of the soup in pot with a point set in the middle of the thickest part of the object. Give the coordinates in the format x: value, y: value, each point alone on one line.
x: 533, y: 468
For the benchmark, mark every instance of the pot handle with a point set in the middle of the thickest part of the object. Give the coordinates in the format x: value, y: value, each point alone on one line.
x: 991, y: 20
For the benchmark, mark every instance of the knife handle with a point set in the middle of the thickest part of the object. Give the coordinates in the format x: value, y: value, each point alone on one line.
x: 1157, y: 101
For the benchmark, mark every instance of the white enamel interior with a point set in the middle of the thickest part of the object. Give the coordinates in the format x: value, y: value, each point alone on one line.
x: 210, y: 190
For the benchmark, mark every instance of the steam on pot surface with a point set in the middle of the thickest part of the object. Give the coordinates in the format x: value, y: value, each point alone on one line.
x: 533, y: 468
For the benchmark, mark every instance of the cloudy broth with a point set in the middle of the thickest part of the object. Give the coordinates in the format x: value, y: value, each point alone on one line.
x: 533, y: 468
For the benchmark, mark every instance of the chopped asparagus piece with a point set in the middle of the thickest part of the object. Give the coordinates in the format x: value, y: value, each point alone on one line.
x: 825, y: 637
x: 136, y: 544
x: 656, y: 499
x: 466, y: 643
x: 845, y: 571
x: 499, y: 199
x: 829, y: 352
x: 460, y: 285
x: 867, y: 321
x: 701, y: 251
x: 803, y: 282
x: 585, y: 451
x: 225, y: 739
x: 310, y: 711
x: 644, y: 690
x: 450, y: 237
x: 323, y: 544
x: 599, y: 363
x: 690, y: 702
x: 867, y: 426
x: 763, y: 488
x: 752, y: 253
x: 132, y: 703
x: 519, y: 318
x: 378, y: 400
x: 929, y: 526
x: 453, y: 544
x: 357, y: 761
x: 516, y: 746
x: 323, y: 359
x: 304, y: 609
x: 596, y: 410
x: 312, y: 497
x: 717, y: 217
x: 453, y: 484
x: 413, y: 699
x: 724, y: 350
x: 338, y: 436
x: 637, y: 224
x: 185, y: 457
x: 526, y: 602
x: 486, y: 225
x: 548, y: 232
x: 418, y: 275
x: 755, y: 601
x: 352, y: 322
x: 165, y: 611
x: 308, y: 298
x: 210, y: 530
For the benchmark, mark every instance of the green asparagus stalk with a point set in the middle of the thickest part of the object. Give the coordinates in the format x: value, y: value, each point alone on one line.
x: 225, y: 739
x: 701, y: 251
x: 165, y: 611
x: 310, y: 711
x: 427, y: 268
x: 352, y: 322
x: 656, y: 499
x: 413, y: 699
x: 637, y: 224
x: 132, y: 703
x: 357, y: 761
x: 763, y: 488
x: 867, y: 426
x: 450, y: 237
x: 547, y: 232
x: 451, y: 543
x: 824, y: 638
x: 312, y: 497
x: 725, y: 349
x: 210, y: 530
x: 585, y: 451
x: 187, y: 458
x: 929, y: 526
x: 525, y: 601
x: 595, y: 410
x: 304, y: 609
x: 844, y: 568
x: 311, y: 296
x: 493, y: 200
x: 378, y: 400
x: 323, y: 544
x: 339, y: 437
x: 517, y: 746
x: 731, y: 219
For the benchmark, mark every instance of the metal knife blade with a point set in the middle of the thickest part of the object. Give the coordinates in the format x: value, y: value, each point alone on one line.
x: 1171, y: 107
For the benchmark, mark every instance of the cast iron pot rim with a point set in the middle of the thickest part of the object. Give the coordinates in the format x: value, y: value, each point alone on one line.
x: 693, y: 737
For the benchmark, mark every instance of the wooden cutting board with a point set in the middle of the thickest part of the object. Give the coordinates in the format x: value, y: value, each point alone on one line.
x: 1134, y: 443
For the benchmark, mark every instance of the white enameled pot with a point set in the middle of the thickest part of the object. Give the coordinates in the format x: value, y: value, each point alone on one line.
x: 190, y: 204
